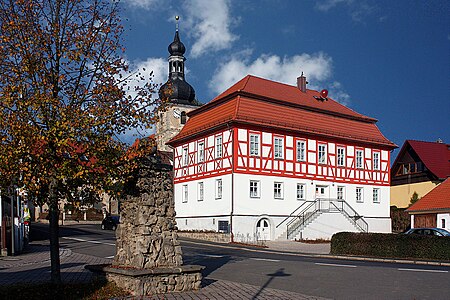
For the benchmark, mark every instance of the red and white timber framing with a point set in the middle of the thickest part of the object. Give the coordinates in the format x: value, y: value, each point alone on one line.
x: 235, y: 157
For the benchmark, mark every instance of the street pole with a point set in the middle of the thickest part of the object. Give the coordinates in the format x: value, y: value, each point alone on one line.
x: 12, y: 223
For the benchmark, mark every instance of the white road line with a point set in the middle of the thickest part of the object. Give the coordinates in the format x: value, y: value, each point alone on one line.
x: 264, y: 259
x: 88, y: 241
x: 112, y: 256
x: 423, y: 270
x: 335, y: 265
x: 211, y: 255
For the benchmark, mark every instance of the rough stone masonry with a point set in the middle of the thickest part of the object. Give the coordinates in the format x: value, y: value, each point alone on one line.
x: 149, y: 257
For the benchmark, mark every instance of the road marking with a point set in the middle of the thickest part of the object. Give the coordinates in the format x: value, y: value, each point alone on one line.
x: 211, y: 255
x: 264, y: 259
x: 88, y: 241
x: 112, y: 256
x: 335, y: 265
x: 423, y: 270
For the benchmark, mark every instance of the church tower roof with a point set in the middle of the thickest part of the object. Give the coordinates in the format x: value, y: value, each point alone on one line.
x: 177, y: 89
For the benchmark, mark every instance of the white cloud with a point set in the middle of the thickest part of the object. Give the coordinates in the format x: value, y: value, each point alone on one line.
x: 210, y: 22
x: 326, y: 5
x: 358, y: 10
x: 142, y: 4
x: 158, y: 66
x: 316, y: 67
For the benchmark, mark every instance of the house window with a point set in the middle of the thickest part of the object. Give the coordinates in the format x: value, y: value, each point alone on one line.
x: 223, y: 226
x: 359, y: 194
x: 340, y: 156
x: 300, y: 191
x: 185, y: 193
x: 278, y: 147
x: 278, y: 190
x: 218, y: 146
x: 254, y: 144
x: 301, y: 151
x: 218, y: 188
x: 410, y: 168
x: 254, y: 189
x: 376, y: 196
x: 359, y: 159
x: 443, y: 223
x: 322, y: 153
x: 376, y: 161
x: 201, y: 152
x: 200, y: 191
x: 185, y: 156
x: 340, y: 193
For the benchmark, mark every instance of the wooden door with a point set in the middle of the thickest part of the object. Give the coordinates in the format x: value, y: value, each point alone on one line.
x: 425, y: 221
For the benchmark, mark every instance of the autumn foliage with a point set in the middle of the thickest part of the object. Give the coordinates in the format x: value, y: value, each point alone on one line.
x: 66, y: 95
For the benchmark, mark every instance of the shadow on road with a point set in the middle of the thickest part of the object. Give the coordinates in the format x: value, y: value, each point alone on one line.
x: 278, y: 273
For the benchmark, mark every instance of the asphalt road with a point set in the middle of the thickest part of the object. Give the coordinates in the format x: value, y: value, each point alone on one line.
x: 331, y: 278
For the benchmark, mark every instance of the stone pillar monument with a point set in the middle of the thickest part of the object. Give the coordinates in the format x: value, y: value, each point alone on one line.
x: 149, y: 258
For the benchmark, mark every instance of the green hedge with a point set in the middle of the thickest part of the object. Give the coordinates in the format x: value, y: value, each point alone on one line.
x: 391, y: 245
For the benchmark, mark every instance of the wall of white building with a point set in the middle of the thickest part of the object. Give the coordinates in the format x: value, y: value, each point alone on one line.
x: 443, y: 219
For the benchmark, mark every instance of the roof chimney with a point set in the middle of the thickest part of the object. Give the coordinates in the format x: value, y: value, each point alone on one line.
x: 301, y: 83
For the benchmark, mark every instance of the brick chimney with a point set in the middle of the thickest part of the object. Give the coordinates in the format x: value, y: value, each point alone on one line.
x: 301, y: 83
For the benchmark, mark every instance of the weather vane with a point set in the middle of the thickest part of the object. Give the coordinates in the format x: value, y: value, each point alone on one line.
x: 177, y: 18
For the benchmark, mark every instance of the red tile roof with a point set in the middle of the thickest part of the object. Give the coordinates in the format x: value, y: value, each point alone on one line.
x: 435, y: 156
x: 264, y: 103
x: 437, y: 199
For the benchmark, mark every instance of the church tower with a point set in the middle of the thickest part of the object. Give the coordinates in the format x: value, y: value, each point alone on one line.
x: 180, y: 94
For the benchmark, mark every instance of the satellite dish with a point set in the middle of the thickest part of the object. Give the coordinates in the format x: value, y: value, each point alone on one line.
x: 324, y: 93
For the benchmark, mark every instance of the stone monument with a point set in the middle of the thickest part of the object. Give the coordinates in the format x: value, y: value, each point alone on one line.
x: 148, y: 256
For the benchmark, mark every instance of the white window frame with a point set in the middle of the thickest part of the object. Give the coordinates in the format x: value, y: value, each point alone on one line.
x: 376, y: 161
x: 376, y: 195
x: 254, y: 144
x: 219, y: 188
x: 278, y: 190
x: 201, y: 191
x: 359, y: 159
x: 185, y: 156
x: 301, y: 150
x: 254, y: 189
x: 201, y: 152
x: 185, y: 193
x: 359, y: 195
x: 340, y: 156
x: 341, y: 193
x: 322, y: 154
x: 219, y: 146
x: 278, y: 147
x: 301, y: 191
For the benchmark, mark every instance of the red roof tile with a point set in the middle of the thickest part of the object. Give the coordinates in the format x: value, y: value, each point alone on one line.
x: 435, y: 156
x: 437, y: 199
x: 266, y: 103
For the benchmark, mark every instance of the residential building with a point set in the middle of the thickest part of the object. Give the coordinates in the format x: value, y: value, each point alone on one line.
x: 419, y: 167
x: 433, y: 209
x: 266, y: 160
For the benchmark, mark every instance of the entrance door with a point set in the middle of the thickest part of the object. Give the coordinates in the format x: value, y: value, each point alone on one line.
x: 263, y: 230
x: 321, y: 193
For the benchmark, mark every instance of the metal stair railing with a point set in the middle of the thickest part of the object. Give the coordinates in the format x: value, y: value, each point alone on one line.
x: 320, y: 205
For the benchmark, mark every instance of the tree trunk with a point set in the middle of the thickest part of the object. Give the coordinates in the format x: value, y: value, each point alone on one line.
x: 54, y: 233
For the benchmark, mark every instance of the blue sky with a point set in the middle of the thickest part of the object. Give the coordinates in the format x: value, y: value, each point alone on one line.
x: 386, y: 59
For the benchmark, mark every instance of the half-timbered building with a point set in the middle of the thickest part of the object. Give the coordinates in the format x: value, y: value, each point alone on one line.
x: 266, y: 160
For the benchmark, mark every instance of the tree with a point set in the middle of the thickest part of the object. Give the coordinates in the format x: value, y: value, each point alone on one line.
x: 414, y: 198
x: 64, y: 99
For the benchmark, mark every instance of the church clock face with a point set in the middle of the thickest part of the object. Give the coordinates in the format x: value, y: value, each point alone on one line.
x: 176, y: 113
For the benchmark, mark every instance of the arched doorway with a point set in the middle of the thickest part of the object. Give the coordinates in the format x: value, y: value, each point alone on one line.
x: 263, y: 229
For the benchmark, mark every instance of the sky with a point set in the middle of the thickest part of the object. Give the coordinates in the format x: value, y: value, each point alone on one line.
x: 389, y: 60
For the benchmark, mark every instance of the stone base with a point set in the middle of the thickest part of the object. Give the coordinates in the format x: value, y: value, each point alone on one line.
x: 142, y: 282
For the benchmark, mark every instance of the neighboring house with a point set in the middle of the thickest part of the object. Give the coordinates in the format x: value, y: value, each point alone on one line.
x: 433, y: 209
x: 266, y: 160
x: 418, y: 168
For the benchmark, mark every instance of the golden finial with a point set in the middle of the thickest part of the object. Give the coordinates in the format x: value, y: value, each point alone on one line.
x: 177, y: 18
